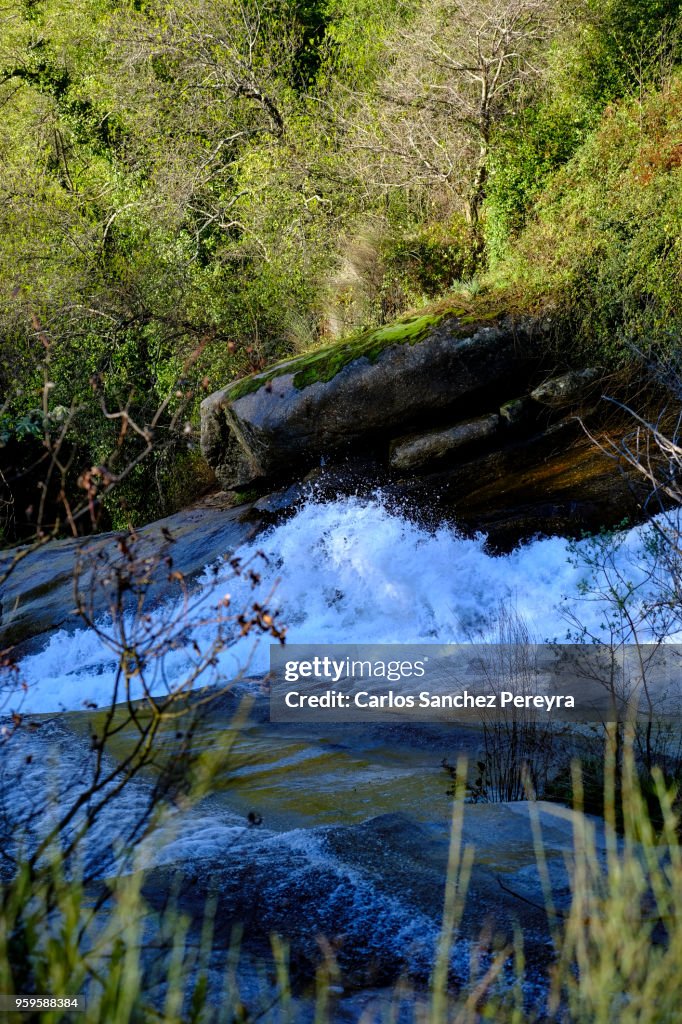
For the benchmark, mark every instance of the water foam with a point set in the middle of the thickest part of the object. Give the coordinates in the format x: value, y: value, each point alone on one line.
x: 355, y: 571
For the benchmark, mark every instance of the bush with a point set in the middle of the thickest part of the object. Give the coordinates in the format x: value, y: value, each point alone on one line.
x: 429, y: 262
x: 605, y: 243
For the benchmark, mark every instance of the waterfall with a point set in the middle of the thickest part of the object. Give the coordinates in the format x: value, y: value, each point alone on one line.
x: 354, y: 570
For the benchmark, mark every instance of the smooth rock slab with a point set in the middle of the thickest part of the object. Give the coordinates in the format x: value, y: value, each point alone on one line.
x: 39, y: 593
x: 376, y: 890
x: 420, y: 449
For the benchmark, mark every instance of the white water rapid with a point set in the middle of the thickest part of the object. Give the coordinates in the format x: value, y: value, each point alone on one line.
x: 355, y: 571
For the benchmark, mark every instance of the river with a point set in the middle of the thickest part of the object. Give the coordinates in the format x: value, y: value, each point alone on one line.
x: 349, y: 824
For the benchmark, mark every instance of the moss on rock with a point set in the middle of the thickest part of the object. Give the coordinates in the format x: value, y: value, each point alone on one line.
x: 326, y: 363
x: 323, y: 364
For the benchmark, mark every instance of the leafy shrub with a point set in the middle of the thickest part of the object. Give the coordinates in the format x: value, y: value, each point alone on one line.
x: 430, y: 261
x: 605, y: 243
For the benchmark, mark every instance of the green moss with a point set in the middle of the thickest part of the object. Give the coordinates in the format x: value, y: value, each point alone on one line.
x: 477, y: 318
x: 323, y: 364
x: 245, y: 496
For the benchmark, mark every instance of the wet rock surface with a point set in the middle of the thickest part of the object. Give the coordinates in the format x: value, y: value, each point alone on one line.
x: 370, y: 884
x: 369, y: 888
x: 555, y: 482
x: 325, y: 868
x: 375, y: 890
x: 43, y: 585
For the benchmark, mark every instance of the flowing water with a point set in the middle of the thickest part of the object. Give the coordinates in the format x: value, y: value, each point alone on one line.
x: 356, y: 571
x: 354, y: 819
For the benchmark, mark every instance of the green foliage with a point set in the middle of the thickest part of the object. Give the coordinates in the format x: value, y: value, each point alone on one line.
x: 623, y: 45
x: 605, y: 244
x: 431, y: 261
x: 607, y: 51
x: 324, y: 363
x: 185, y: 183
x: 526, y: 152
x: 134, y: 238
x: 356, y: 34
x: 20, y: 427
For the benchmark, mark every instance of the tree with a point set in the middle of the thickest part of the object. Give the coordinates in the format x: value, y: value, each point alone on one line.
x: 454, y: 72
x: 148, y: 211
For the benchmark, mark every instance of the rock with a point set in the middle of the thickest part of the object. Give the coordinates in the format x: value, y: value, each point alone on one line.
x: 375, y: 890
x: 408, y: 409
x: 568, y: 389
x: 354, y: 394
x: 515, y: 411
x: 39, y: 592
x: 420, y: 449
x: 279, y: 501
x: 556, y: 481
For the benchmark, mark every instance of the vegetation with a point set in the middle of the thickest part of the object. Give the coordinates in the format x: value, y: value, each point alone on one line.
x: 324, y: 363
x: 191, y: 191
x: 604, y: 243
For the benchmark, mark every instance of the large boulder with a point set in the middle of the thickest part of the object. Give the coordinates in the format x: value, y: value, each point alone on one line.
x: 358, y: 393
x: 466, y: 418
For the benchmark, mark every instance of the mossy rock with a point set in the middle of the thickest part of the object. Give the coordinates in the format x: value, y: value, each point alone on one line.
x: 324, y: 363
x: 281, y: 422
